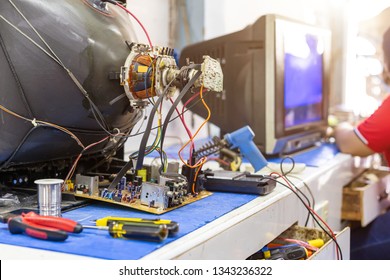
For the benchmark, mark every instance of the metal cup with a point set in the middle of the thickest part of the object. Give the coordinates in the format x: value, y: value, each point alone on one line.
x: 49, y: 196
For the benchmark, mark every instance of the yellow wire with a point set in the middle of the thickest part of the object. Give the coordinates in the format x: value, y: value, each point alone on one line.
x: 13, y: 113
x: 158, y: 136
x: 64, y: 130
x: 196, y: 133
x: 35, y: 122
x: 153, y: 72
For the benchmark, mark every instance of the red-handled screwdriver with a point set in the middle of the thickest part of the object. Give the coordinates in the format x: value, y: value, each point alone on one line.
x: 67, y: 225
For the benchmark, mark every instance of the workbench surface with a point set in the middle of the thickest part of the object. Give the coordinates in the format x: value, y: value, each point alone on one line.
x: 221, y: 226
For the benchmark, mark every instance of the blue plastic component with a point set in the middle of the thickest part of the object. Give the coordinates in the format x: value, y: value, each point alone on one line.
x: 122, y: 183
x: 243, y: 139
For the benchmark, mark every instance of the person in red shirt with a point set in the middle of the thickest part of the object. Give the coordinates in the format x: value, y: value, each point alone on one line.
x: 370, y: 136
x: 373, y: 134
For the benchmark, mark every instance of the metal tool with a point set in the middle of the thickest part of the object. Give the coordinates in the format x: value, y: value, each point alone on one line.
x: 288, y: 253
x: 241, y: 139
x: 129, y: 230
x: 173, y: 227
x: 42, y: 227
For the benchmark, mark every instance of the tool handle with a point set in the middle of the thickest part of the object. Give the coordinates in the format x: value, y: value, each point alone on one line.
x: 173, y: 227
x: 141, y: 231
x: 17, y: 226
x: 243, y: 139
x: 67, y: 225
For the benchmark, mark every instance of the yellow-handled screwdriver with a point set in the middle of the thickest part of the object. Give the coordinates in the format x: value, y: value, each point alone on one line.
x: 173, y: 227
x: 149, y: 232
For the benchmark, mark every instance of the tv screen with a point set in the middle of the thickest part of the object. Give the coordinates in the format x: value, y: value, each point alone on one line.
x: 275, y: 81
x: 303, y: 78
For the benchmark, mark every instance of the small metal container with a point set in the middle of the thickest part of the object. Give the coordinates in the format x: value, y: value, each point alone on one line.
x: 49, y: 196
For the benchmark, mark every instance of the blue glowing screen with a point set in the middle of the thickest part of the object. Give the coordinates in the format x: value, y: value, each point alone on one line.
x: 303, y: 78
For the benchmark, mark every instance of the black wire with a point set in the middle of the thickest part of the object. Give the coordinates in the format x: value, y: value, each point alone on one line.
x: 178, y: 115
x: 173, y: 107
x: 124, y: 170
x: 310, y: 211
x: 308, y: 189
x: 285, y: 175
x: 22, y: 142
x: 95, y: 110
x: 16, y: 77
x: 113, y: 149
x: 110, y: 1
x: 146, y: 132
x: 96, y: 113
x: 292, y: 167
x: 98, y: 132
x: 313, y: 216
x: 148, y: 128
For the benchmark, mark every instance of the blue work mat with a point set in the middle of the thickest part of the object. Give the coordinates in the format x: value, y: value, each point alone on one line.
x: 315, y: 157
x: 99, y: 244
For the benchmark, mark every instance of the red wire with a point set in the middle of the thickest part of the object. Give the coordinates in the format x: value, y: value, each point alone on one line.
x: 181, y: 117
x: 224, y: 162
x: 72, y: 169
x: 308, y: 207
x: 143, y: 28
x: 189, y: 100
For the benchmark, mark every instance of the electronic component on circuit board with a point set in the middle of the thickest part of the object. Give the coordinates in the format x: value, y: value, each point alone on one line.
x: 170, y: 192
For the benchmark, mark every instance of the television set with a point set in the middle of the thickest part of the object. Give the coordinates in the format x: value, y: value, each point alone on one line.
x: 275, y: 80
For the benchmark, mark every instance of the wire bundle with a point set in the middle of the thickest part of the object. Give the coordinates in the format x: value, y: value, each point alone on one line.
x: 301, y: 196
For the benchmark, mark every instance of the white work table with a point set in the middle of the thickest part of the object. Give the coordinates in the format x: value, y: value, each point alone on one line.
x: 246, y: 229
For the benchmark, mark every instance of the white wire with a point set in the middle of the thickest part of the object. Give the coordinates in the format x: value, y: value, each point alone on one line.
x: 36, y: 32
x: 30, y: 39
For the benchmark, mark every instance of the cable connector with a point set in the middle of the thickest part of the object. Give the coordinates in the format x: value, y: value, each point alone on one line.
x: 34, y: 122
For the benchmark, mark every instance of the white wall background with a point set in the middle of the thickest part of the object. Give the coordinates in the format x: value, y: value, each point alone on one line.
x: 154, y: 15
x: 226, y: 16
x: 356, y: 99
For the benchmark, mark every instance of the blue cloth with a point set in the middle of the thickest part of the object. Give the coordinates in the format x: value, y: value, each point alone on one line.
x: 99, y: 244
x: 315, y: 157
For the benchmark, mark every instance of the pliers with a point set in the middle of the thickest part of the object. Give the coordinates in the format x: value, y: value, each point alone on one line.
x: 42, y: 227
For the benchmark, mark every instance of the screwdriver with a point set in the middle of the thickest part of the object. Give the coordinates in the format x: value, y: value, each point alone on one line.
x: 60, y: 223
x: 128, y: 230
x: 173, y: 227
